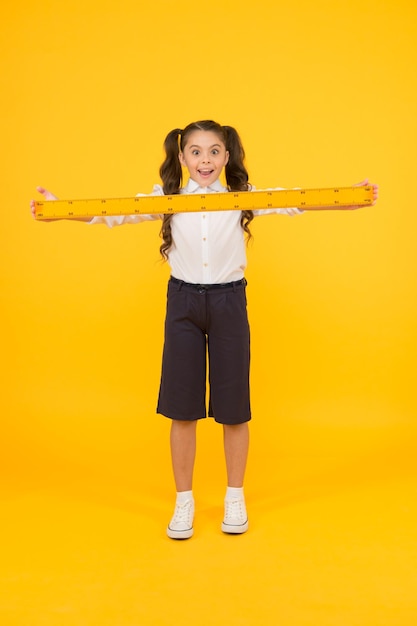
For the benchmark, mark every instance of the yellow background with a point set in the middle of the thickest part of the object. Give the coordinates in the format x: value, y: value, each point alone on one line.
x: 323, y: 94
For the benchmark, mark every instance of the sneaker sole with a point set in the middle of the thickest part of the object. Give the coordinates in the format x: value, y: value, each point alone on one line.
x: 180, y: 534
x: 232, y: 529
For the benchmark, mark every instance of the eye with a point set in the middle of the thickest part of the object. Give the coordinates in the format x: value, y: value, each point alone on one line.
x: 195, y: 152
x: 215, y: 151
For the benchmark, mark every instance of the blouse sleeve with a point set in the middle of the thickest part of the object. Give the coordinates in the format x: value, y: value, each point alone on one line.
x: 119, y: 220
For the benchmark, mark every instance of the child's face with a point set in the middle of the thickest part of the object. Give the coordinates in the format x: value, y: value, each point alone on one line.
x: 204, y: 156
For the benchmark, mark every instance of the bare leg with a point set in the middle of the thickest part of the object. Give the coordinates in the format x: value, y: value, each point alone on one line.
x: 183, y: 448
x: 236, y: 447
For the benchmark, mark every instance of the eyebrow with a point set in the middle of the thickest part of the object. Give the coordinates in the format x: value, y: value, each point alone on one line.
x: 215, y: 145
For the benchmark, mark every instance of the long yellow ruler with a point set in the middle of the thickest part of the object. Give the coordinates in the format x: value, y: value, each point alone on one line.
x: 306, y: 199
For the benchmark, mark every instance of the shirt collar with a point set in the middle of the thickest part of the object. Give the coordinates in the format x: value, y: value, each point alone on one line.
x: 193, y: 187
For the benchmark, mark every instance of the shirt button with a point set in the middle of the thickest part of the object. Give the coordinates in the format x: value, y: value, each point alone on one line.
x: 204, y: 238
x: 205, y: 264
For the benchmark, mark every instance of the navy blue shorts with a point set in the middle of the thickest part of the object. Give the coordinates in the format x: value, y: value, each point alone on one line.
x: 206, y: 324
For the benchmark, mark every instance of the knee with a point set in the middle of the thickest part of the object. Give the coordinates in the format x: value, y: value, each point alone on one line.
x: 183, y: 425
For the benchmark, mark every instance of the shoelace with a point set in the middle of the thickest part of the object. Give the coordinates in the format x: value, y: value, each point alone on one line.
x: 183, y: 513
x: 235, y: 509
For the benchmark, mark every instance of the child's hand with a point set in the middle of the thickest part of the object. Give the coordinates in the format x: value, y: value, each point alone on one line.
x: 366, y: 183
x: 47, y: 195
x: 375, y: 189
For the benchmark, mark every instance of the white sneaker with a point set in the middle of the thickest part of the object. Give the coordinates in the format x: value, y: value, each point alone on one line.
x: 235, y: 517
x: 181, y: 525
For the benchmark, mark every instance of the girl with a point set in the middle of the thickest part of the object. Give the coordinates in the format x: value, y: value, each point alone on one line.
x: 206, y: 312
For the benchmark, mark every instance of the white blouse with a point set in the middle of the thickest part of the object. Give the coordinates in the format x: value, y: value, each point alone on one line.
x: 208, y: 247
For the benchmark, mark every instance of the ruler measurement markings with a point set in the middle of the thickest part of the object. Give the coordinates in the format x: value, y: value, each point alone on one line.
x: 302, y: 198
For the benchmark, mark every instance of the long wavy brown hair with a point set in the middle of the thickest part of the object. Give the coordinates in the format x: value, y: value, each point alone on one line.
x: 171, y: 172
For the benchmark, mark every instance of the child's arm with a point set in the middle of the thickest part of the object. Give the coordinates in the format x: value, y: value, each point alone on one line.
x: 109, y: 220
x: 364, y: 183
x: 296, y: 211
x: 50, y: 196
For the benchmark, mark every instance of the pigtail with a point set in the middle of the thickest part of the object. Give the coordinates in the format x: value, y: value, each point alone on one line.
x: 236, y: 173
x: 170, y: 170
x: 171, y: 175
x: 237, y: 176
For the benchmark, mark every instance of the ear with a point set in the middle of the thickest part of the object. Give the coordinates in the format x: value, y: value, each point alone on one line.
x: 181, y: 158
x: 227, y: 157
